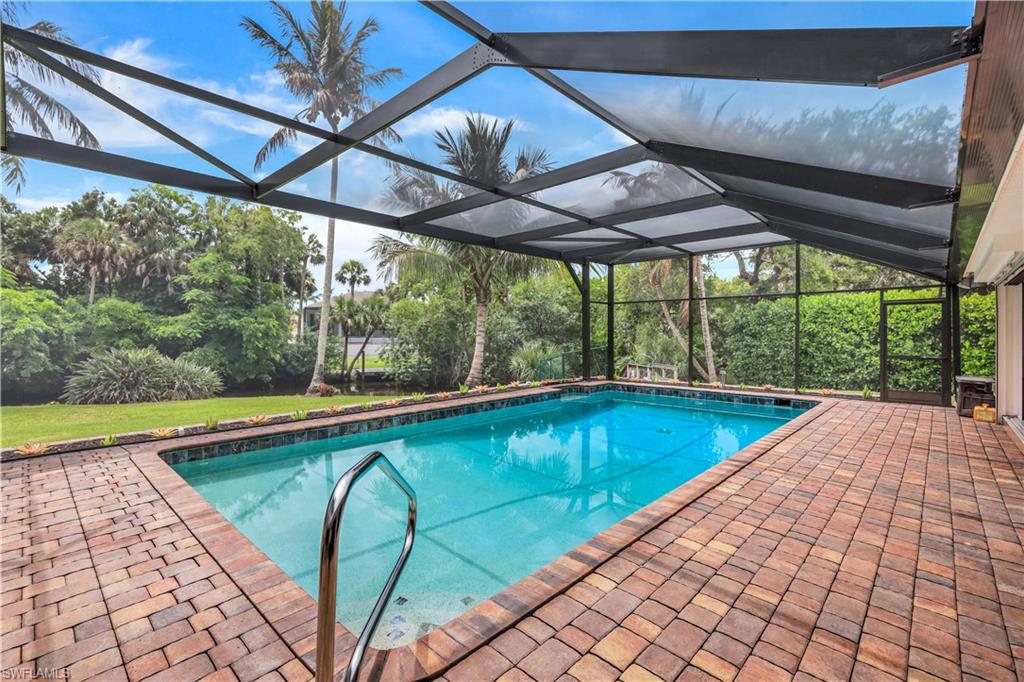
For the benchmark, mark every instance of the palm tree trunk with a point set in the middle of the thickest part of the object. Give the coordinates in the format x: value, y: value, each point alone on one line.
x: 344, y: 353
x: 92, y: 288
x: 362, y: 349
x: 705, y: 328
x: 476, y: 367
x: 325, y: 306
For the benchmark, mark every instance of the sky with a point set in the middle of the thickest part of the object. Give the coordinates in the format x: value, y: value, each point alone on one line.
x: 203, y: 43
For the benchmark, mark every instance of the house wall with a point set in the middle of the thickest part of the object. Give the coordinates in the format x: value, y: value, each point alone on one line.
x: 1009, y: 350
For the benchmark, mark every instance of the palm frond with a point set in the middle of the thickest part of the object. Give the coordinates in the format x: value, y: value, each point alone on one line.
x: 14, y: 172
x: 50, y: 108
x: 279, y: 139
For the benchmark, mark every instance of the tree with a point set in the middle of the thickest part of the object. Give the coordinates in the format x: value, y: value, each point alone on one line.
x: 479, y: 150
x: 352, y: 274
x: 28, y: 104
x: 312, y: 253
x: 97, y: 248
x: 327, y: 70
x: 372, y: 316
x: 345, y: 313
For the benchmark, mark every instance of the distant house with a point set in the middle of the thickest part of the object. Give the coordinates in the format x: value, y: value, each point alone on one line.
x: 378, y: 340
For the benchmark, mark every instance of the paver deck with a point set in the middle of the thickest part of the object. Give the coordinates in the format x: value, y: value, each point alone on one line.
x: 876, y: 542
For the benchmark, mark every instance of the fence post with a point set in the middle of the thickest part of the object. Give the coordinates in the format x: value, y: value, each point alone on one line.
x: 609, y: 370
x: 689, y: 306
x: 796, y: 329
x: 586, y: 318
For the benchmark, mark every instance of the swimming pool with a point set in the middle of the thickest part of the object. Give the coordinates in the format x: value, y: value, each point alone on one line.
x: 501, y: 493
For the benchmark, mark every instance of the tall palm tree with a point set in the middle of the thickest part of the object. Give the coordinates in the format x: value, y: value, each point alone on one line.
x: 99, y: 248
x: 27, y: 103
x: 352, y: 273
x: 312, y: 254
x: 323, y: 63
x: 479, y: 150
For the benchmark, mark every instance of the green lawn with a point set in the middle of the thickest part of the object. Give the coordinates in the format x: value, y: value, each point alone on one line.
x: 47, y: 423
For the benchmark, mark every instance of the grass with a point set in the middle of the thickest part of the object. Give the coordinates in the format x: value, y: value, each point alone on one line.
x: 21, y: 424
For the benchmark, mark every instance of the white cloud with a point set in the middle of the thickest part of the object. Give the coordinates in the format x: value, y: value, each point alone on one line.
x: 427, y: 120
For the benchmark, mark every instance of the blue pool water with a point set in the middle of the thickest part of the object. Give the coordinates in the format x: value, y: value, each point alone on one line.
x: 500, y: 493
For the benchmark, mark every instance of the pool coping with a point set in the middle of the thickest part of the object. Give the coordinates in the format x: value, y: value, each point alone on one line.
x: 291, y: 611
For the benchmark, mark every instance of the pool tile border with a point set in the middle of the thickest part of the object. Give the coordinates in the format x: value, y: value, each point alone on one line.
x: 292, y: 612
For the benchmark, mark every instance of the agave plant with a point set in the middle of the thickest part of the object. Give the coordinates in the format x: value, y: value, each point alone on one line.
x: 258, y: 420
x: 32, y: 449
x: 163, y: 433
x: 335, y: 409
x: 299, y: 415
x: 108, y: 441
x: 212, y: 424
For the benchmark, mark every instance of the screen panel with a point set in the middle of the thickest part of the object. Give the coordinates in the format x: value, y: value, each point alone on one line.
x: 638, y: 185
x: 910, y: 130
x: 936, y: 220
x: 690, y: 221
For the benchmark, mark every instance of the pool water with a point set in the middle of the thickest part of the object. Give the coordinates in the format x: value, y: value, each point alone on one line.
x: 500, y: 494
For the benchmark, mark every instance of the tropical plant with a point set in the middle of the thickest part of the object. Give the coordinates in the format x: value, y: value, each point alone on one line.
x: 370, y: 317
x: 258, y: 420
x: 28, y: 103
x: 299, y: 415
x: 193, y: 381
x: 212, y: 424
x: 32, y: 449
x: 108, y: 441
x: 98, y: 248
x: 323, y: 63
x: 163, y: 433
x: 353, y: 274
x: 135, y: 375
x: 39, y: 342
x: 479, y: 150
x: 526, y: 363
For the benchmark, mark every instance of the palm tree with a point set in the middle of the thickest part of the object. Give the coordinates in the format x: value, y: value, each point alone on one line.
x: 323, y: 63
x: 97, y: 247
x: 29, y: 105
x: 352, y: 274
x: 372, y: 314
x: 346, y: 315
x: 312, y: 254
x: 479, y: 150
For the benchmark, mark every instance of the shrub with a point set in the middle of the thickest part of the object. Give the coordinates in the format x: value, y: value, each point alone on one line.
x: 135, y: 375
x: 193, y: 381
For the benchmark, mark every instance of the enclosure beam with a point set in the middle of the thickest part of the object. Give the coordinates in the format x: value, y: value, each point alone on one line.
x: 873, y: 253
x: 863, y: 186
x: 854, y: 56
x: 585, y: 298
x: 460, y: 69
x: 559, y: 176
x: 609, y: 369
x: 886, y: 234
x: 681, y: 239
x: 31, y: 147
x: 623, y: 217
x: 93, y: 88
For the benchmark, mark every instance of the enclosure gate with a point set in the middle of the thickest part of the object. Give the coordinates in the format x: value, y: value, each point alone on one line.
x: 915, y: 350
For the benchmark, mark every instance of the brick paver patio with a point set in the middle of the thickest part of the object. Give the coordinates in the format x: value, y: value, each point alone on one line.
x: 877, y: 542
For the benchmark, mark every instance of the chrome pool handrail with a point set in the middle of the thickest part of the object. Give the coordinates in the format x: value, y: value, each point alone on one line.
x: 329, y: 543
